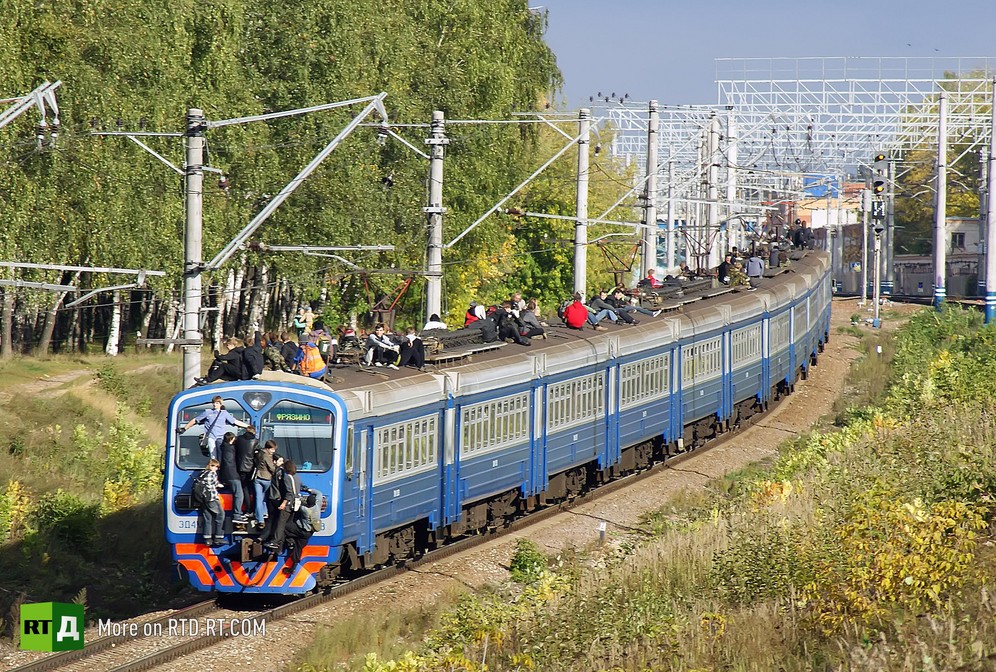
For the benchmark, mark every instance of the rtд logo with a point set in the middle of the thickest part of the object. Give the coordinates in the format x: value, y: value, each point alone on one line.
x: 51, y: 626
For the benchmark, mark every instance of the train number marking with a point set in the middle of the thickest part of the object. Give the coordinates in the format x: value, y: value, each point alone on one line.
x: 187, y: 524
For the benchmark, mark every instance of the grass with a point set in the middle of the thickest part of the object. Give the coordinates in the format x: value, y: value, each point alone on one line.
x: 82, y: 437
x: 782, y: 567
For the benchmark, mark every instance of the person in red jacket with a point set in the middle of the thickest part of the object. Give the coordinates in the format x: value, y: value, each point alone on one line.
x: 576, y: 315
x: 474, y: 313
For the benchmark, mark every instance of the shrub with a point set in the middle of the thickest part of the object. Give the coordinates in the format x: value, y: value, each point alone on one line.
x: 15, y: 505
x: 528, y: 562
x: 760, y: 564
x: 893, y: 552
x: 64, y: 517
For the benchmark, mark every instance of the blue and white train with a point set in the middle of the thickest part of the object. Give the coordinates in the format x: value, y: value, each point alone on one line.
x: 406, y: 460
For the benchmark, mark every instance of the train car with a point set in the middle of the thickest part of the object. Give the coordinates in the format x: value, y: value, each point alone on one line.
x: 406, y: 460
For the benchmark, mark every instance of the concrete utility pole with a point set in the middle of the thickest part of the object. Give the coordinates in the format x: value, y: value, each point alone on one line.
x: 650, y: 205
x: 672, y: 238
x: 866, y: 206
x: 890, y: 230
x: 192, y: 261
x: 991, y: 218
x: 731, y: 179
x: 980, y: 276
x: 437, y: 141
x: 581, y: 226
x: 876, y: 322
x: 941, y: 203
x: 717, y: 249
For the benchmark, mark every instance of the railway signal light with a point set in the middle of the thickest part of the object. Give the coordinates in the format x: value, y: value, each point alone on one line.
x: 880, y: 171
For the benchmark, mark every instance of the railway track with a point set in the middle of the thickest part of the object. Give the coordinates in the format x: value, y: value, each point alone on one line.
x: 146, y: 652
x: 103, y: 645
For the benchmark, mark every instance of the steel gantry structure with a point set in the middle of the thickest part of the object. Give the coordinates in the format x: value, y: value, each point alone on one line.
x: 781, y: 123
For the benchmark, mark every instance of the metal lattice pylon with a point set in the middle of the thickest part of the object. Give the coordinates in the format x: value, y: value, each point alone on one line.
x: 788, y: 118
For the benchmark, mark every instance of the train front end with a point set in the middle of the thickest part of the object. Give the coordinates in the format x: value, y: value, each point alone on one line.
x: 308, y: 425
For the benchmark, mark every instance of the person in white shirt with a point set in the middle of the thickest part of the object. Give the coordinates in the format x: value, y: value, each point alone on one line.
x: 434, y: 323
x: 412, y: 350
x: 381, y: 350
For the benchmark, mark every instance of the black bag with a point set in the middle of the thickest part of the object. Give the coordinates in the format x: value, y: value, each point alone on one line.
x: 275, y: 492
x: 204, y: 442
x: 199, y: 493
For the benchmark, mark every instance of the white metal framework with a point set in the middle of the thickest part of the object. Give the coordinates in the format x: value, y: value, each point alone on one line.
x: 779, y: 124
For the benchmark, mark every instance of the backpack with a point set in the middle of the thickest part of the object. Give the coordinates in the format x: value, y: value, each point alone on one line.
x: 309, y: 518
x: 310, y: 360
x: 199, y: 492
x: 488, y: 328
x: 324, y: 346
x: 274, y: 493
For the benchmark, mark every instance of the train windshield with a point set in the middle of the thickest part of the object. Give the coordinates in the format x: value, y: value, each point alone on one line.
x: 303, y: 434
x: 189, y: 454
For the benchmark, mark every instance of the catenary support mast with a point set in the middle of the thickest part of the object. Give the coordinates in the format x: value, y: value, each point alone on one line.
x: 434, y: 264
x: 991, y: 218
x: 650, y: 205
x: 192, y: 241
x: 581, y: 225
x: 941, y: 203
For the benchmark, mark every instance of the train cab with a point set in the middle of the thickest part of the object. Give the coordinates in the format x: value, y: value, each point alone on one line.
x: 308, y: 425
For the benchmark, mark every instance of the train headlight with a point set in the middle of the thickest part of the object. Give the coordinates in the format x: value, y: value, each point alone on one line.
x: 257, y: 400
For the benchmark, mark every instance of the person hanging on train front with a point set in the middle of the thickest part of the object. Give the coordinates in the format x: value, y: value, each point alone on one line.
x: 290, y: 502
x: 229, y: 475
x: 304, y: 523
x: 217, y: 420
x: 210, y: 513
x: 264, y: 469
x: 246, y: 446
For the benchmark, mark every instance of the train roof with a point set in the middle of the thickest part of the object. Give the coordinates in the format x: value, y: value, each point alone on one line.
x: 375, y: 391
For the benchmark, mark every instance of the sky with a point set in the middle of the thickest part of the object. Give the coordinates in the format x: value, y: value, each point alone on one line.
x: 666, y: 50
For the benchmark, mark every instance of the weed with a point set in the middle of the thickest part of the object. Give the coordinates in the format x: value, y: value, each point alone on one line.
x: 528, y: 562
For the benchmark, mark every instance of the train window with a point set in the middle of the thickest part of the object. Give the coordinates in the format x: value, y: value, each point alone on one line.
x: 778, y: 332
x: 644, y: 380
x: 304, y: 434
x: 189, y: 454
x: 575, y: 401
x: 405, y: 448
x: 746, y: 345
x: 701, y: 361
x: 494, y: 424
x: 349, y: 450
x: 799, y: 326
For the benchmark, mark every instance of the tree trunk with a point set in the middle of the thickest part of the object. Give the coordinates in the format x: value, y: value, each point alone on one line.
x: 257, y: 305
x: 232, y: 321
x: 51, y: 317
x: 7, y: 348
x: 171, y: 323
x: 150, y: 308
x: 48, y: 328
x: 114, y: 330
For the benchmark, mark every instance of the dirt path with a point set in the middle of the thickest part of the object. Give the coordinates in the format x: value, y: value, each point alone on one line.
x: 579, y: 528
